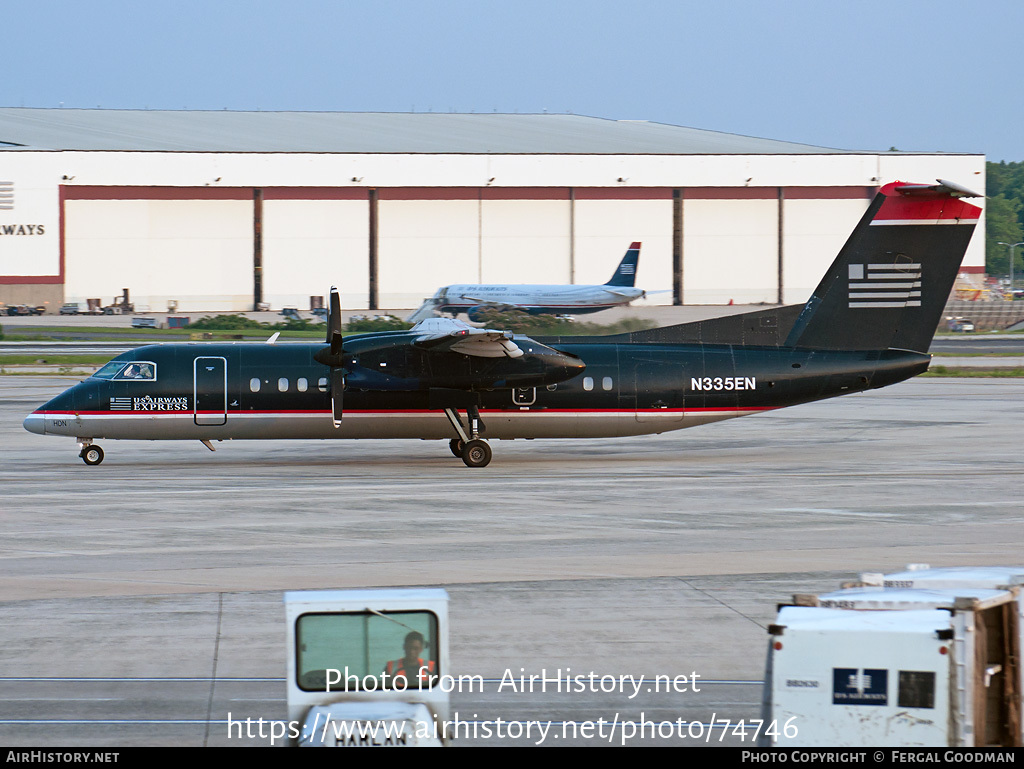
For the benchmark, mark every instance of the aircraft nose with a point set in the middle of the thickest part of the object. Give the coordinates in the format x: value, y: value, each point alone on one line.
x: 35, y: 423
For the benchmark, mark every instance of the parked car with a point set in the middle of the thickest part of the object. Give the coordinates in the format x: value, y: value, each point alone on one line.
x: 24, y: 309
x: 144, y: 323
x: 70, y: 308
x: 961, y: 324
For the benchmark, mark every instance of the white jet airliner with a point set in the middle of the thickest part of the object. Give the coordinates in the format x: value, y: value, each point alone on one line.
x: 540, y: 299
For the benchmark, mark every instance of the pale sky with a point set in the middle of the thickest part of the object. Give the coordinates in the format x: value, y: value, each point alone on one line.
x: 922, y: 75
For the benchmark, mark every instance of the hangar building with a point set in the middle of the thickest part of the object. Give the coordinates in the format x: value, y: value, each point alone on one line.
x: 224, y: 210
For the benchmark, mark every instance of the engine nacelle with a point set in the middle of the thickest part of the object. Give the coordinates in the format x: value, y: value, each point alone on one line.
x: 476, y: 314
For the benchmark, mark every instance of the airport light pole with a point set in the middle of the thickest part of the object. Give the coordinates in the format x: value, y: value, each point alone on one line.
x: 1012, y: 247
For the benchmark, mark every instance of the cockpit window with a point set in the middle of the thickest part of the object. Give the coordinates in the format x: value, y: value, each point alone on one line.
x: 139, y: 369
x: 135, y: 371
x: 110, y: 369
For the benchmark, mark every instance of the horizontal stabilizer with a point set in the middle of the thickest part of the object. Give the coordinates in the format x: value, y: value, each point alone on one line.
x: 943, y: 188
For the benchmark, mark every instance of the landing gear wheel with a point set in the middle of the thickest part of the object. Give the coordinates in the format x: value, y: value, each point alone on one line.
x: 456, y: 445
x: 476, y: 453
x: 92, y: 455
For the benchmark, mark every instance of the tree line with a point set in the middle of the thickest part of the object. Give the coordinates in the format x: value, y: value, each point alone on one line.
x: 1004, y: 216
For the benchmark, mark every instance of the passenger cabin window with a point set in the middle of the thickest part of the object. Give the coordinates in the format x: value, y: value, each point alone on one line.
x: 254, y: 384
x: 606, y: 383
x: 301, y: 384
x: 321, y: 384
x: 282, y: 385
x: 588, y: 383
x: 128, y: 371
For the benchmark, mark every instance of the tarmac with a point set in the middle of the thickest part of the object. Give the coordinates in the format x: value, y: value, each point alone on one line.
x: 140, y: 600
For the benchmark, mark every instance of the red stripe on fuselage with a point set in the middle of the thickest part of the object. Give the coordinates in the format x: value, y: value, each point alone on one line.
x: 511, y: 409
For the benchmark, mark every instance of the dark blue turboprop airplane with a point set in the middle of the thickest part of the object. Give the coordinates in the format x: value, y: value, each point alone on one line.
x: 868, y: 324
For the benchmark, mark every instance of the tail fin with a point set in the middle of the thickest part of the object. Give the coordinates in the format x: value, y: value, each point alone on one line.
x: 625, y: 273
x: 889, y: 284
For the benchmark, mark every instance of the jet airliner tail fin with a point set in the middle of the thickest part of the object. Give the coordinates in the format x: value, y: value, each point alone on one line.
x: 625, y: 273
x: 889, y: 285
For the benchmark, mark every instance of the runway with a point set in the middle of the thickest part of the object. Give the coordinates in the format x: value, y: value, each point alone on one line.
x: 650, y: 555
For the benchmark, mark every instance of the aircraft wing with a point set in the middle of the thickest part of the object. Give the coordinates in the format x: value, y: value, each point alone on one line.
x: 426, y: 310
x: 450, y: 335
x: 492, y: 302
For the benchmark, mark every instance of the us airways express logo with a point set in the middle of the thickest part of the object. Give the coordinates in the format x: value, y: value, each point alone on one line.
x: 147, y: 403
x: 885, y: 285
x: 22, y: 229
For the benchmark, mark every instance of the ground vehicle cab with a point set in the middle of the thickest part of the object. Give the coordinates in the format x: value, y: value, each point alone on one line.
x: 365, y: 667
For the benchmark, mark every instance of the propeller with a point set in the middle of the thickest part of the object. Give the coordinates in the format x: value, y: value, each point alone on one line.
x: 333, y: 355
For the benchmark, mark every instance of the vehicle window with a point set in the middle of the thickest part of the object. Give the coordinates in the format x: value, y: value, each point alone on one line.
x: 282, y: 384
x: 301, y: 384
x: 321, y: 384
x: 588, y: 383
x: 254, y: 384
x: 391, y: 650
x: 606, y: 383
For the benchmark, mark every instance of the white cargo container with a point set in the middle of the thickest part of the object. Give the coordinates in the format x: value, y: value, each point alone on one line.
x: 950, y: 577
x: 347, y: 684
x: 920, y: 575
x: 897, y: 666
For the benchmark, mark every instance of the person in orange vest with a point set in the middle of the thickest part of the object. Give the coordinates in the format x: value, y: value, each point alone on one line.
x: 416, y: 672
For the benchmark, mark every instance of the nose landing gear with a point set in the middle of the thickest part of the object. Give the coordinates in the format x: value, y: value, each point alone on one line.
x: 476, y: 453
x: 473, y: 451
x: 91, y: 454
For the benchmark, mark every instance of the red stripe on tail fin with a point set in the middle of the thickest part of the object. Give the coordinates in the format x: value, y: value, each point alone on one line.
x: 920, y: 204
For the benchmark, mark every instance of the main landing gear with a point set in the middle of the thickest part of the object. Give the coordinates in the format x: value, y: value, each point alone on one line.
x: 91, y: 454
x: 474, y: 451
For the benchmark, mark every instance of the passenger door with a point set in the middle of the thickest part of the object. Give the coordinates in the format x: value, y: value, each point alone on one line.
x: 210, y: 391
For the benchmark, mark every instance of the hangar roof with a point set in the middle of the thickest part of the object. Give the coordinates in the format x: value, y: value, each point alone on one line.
x: 368, y: 132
